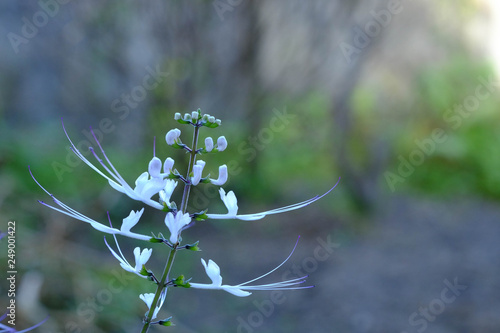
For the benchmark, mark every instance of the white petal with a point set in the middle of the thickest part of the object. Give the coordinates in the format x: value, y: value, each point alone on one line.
x: 154, y: 167
x: 213, y: 272
x: 235, y: 291
x: 168, y: 165
x: 147, y: 298
x: 166, y: 193
x: 141, y: 258
x: 130, y: 221
x: 230, y: 201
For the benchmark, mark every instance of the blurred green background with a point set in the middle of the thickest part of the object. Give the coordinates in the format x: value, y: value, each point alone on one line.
x: 400, y: 99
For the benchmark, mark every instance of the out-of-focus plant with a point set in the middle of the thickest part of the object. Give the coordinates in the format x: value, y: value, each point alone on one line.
x: 159, y: 181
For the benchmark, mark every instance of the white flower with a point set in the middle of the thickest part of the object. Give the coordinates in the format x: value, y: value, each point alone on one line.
x: 209, y: 144
x: 172, y: 136
x: 213, y: 272
x: 195, y: 114
x: 167, y: 191
x: 177, y: 116
x: 222, y: 176
x: 221, y: 143
x: 149, y: 298
x: 197, y: 172
x: 175, y: 224
x: 232, y: 206
x: 125, y: 230
x: 145, y: 187
x: 141, y: 258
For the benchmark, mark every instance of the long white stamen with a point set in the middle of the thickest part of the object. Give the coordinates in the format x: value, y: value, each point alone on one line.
x: 260, y: 277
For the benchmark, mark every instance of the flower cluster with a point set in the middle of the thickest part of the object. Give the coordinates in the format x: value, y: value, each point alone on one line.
x: 154, y: 188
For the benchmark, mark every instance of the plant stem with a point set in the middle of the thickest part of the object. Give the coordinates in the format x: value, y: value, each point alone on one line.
x: 159, y: 289
x: 192, y: 159
x: 171, y: 256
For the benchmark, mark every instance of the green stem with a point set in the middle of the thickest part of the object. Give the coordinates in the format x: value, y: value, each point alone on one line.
x: 192, y: 159
x: 159, y: 289
x: 171, y: 256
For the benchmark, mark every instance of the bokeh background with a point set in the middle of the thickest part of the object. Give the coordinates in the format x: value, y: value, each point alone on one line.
x: 399, y: 98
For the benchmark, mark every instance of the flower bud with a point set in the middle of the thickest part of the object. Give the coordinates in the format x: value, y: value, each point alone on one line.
x: 221, y: 143
x: 195, y: 115
x: 168, y: 165
x: 218, y: 121
x: 211, y: 119
x: 222, y: 176
x: 187, y: 117
x: 209, y: 144
x: 177, y: 116
x: 172, y: 136
x: 197, y: 171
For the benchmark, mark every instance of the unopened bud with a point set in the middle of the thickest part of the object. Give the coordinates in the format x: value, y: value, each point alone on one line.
x: 221, y: 143
x: 197, y: 171
x: 172, y: 136
x: 168, y: 165
x: 209, y: 144
x: 222, y: 176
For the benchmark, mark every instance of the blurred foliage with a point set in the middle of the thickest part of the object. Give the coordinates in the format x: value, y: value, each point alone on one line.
x: 467, y: 161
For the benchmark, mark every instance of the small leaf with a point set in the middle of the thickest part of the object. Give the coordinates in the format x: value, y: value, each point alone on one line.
x: 166, y: 322
x: 193, y: 247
